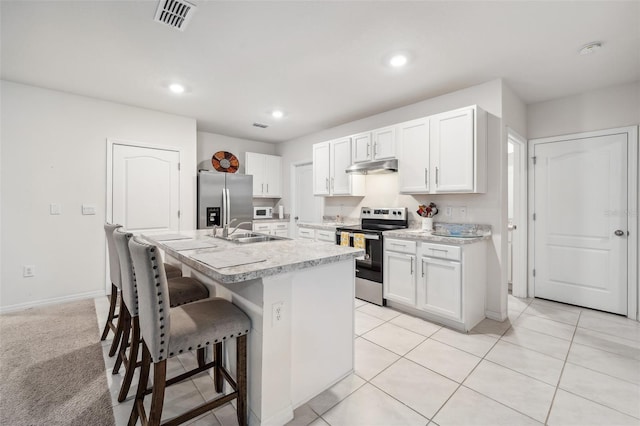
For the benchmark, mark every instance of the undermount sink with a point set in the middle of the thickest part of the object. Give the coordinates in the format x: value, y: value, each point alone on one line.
x: 249, y: 237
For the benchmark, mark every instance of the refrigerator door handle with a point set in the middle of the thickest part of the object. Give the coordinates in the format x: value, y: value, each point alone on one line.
x: 228, y: 206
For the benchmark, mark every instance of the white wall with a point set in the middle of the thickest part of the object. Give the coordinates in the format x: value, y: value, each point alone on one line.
x: 210, y: 143
x: 54, y: 150
x: 616, y: 106
x: 383, y: 189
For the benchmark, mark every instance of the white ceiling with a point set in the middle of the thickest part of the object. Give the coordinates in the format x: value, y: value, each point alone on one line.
x: 320, y: 61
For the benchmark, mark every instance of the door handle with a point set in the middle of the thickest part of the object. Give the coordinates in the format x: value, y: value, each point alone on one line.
x: 619, y: 232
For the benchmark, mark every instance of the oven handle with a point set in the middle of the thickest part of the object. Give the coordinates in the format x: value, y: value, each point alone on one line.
x: 366, y: 236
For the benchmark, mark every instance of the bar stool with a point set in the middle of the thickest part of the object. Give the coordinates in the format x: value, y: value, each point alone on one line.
x: 115, y: 274
x: 167, y: 332
x: 181, y: 290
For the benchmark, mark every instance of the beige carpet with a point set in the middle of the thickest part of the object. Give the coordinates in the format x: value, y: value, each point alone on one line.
x: 51, y: 367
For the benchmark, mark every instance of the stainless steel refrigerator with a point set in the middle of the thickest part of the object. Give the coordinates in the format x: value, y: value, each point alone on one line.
x: 223, y: 197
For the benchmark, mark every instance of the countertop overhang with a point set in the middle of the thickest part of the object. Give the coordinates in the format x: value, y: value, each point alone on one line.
x: 281, y: 256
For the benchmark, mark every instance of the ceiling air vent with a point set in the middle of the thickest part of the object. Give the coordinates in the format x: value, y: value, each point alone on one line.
x: 262, y: 126
x: 174, y: 13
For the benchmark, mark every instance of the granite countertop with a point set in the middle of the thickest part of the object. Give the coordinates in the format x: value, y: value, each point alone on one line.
x: 483, y: 233
x: 276, y: 257
x: 328, y: 226
x: 271, y: 220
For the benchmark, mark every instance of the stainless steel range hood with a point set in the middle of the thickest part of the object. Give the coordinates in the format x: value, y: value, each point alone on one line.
x: 370, y: 167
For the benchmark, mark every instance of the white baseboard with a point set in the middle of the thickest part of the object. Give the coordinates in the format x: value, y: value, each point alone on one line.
x: 496, y: 316
x: 52, y: 301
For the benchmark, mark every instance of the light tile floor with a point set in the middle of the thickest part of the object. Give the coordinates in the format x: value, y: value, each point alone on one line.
x: 549, y: 363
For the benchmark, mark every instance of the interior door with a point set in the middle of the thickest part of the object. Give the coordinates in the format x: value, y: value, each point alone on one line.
x: 580, y: 226
x: 308, y: 208
x: 146, y: 188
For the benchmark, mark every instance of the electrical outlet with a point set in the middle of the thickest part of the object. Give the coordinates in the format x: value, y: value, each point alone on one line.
x: 463, y: 212
x: 55, y: 208
x: 448, y: 210
x: 28, y: 271
x: 277, y: 313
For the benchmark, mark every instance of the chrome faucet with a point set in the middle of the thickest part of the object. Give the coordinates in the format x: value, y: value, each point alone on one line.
x: 225, y: 229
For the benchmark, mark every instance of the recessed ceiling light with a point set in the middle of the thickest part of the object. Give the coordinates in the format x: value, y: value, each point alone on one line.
x: 590, y: 48
x: 398, y: 60
x: 277, y: 114
x: 176, y: 88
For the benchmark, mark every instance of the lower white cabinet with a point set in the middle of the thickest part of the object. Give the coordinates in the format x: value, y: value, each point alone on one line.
x: 439, y: 282
x: 279, y: 229
x: 321, y: 235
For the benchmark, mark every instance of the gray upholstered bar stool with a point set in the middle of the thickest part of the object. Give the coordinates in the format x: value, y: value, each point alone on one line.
x: 181, y: 290
x: 115, y: 274
x: 169, y: 332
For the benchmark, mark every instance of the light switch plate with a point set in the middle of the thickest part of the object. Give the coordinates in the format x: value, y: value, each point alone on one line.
x: 55, y: 208
x: 448, y: 210
x: 463, y: 212
x: 88, y: 209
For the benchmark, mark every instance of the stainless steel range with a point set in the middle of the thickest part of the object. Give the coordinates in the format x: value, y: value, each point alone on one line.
x: 369, y: 270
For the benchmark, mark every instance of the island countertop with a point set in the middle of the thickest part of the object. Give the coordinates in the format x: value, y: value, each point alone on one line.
x: 271, y: 257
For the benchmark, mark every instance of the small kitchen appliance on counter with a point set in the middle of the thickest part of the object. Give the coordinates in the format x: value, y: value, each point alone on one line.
x: 262, y: 212
x: 369, y: 270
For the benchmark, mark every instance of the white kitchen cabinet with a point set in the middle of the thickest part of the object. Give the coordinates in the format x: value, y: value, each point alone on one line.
x: 444, y: 153
x: 413, y: 156
x: 435, y: 281
x: 325, y: 236
x: 399, y: 280
x: 330, y: 159
x: 459, y: 151
x: 440, y: 287
x: 379, y: 144
x: 267, y: 174
x: 306, y: 233
x: 279, y: 229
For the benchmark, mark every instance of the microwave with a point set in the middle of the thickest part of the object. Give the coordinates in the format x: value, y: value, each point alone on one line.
x: 262, y: 212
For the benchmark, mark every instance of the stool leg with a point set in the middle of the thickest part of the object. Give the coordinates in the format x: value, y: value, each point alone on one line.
x: 112, y: 309
x: 133, y: 359
x: 202, y: 355
x: 241, y: 374
x: 124, y: 340
x: 157, y: 396
x: 118, y: 336
x: 142, y: 386
x: 218, y: 378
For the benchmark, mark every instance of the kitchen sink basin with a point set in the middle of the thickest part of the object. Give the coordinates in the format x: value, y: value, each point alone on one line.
x: 250, y: 237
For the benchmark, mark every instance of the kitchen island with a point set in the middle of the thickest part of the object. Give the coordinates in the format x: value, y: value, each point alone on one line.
x: 299, y: 295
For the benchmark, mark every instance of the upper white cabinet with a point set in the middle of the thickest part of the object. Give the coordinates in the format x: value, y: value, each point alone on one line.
x: 330, y: 159
x: 413, y: 156
x: 378, y: 144
x: 267, y: 174
x: 444, y: 153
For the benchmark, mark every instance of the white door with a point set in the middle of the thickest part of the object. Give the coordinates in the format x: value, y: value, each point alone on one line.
x: 440, y: 287
x: 307, y: 207
x: 452, y: 150
x: 413, y: 156
x: 145, y: 188
x: 340, y: 160
x: 399, y: 281
x: 580, y: 228
x: 321, y: 169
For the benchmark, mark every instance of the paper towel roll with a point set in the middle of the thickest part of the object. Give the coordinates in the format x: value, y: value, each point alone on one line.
x: 281, y: 212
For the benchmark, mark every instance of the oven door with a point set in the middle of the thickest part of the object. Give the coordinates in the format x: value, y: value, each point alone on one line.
x: 368, y: 267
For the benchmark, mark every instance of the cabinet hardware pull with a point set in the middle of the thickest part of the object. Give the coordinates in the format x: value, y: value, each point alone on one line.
x: 437, y: 173
x: 262, y: 188
x: 326, y: 184
x: 375, y: 149
x: 422, y: 267
x: 411, y: 261
x: 426, y: 177
x: 332, y: 183
x: 267, y: 188
x: 368, y: 145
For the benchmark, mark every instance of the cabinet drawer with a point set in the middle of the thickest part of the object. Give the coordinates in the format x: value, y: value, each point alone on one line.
x: 261, y: 227
x: 281, y: 226
x: 442, y: 251
x: 305, y: 233
x: 401, y: 246
x: 329, y: 236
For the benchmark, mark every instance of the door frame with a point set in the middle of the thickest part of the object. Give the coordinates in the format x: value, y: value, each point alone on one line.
x: 633, y: 222
x: 520, y: 254
x: 294, y: 213
x: 109, y: 192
